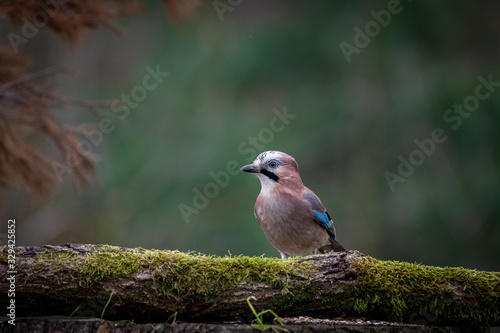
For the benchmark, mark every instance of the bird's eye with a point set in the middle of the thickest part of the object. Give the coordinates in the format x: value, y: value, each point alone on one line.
x: 273, y: 164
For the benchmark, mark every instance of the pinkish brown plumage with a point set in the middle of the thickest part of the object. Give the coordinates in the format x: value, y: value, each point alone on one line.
x: 292, y: 217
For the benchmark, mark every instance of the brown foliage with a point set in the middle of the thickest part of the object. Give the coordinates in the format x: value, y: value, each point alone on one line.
x: 181, y: 9
x: 24, y: 115
x: 26, y: 105
x: 69, y: 18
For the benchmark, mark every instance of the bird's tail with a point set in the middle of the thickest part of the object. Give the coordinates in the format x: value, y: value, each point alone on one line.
x: 333, y: 246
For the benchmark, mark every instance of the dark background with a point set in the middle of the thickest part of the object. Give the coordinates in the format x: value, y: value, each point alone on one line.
x: 352, y: 123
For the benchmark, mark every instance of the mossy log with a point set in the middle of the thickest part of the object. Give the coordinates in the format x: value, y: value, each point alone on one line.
x: 156, y: 286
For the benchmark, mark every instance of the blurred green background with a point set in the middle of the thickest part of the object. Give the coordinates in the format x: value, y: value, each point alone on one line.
x: 352, y: 122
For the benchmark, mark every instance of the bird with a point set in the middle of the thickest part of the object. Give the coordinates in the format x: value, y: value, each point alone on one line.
x: 293, y: 218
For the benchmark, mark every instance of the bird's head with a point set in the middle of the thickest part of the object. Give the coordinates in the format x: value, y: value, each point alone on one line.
x: 275, y: 168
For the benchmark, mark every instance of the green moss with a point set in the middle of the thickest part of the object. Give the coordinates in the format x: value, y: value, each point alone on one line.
x: 110, y: 262
x: 297, y: 297
x: 383, y: 288
x: 175, y: 273
x: 60, y: 262
x: 393, y: 289
x: 195, y: 274
x: 4, y: 253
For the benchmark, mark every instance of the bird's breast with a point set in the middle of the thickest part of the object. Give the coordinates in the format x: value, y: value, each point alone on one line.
x: 289, y: 225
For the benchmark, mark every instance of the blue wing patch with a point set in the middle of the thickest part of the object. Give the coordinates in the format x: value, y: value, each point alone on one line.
x: 323, y: 218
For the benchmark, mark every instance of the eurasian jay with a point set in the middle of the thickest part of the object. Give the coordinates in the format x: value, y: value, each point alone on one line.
x: 292, y: 217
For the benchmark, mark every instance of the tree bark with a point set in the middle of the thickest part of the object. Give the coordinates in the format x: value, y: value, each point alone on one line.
x: 68, y: 280
x: 98, y: 325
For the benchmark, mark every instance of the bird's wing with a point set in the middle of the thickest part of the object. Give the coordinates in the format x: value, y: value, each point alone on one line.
x: 322, y: 217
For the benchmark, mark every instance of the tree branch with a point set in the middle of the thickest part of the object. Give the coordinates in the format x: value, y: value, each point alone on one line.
x: 152, y: 285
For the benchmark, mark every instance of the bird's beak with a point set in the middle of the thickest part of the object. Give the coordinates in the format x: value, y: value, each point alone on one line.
x: 250, y: 168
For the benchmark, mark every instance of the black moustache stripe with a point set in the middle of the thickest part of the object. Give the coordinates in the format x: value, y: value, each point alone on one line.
x: 270, y: 174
